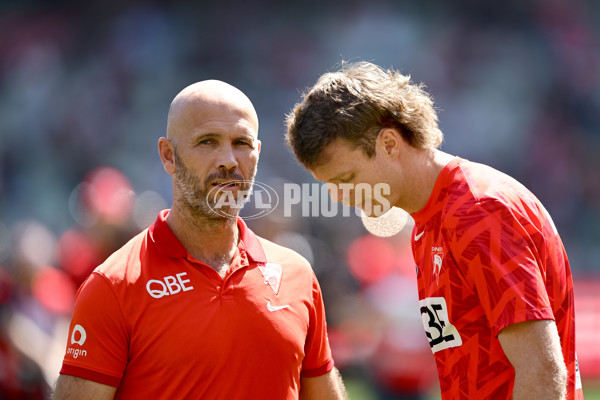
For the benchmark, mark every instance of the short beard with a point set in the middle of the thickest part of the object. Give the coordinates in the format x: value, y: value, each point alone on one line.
x: 194, y: 195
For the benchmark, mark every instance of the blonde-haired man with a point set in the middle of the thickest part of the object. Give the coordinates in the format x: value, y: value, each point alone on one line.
x: 495, y: 286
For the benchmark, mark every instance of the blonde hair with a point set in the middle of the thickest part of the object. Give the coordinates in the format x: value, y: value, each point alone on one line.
x: 354, y: 104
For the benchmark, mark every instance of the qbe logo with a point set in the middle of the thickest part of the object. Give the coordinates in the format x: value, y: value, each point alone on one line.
x: 78, y: 337
x: 169, y: 285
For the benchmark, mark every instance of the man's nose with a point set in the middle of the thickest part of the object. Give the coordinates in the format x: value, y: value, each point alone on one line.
x: 227, y: 159
x: 335, y: 192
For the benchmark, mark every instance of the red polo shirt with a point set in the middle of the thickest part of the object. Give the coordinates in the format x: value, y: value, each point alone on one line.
x: 157, y: 323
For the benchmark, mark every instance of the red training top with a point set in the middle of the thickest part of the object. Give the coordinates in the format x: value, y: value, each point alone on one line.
x: 488, y: 256
x: 157, y: 323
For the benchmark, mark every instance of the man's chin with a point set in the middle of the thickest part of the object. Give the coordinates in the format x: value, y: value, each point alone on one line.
x: 225, y: 213
x: 208, y: 212
x: 373, y: 211
x: 239, y: 189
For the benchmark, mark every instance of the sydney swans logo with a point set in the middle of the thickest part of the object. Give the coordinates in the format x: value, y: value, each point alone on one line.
x: 260, y: 199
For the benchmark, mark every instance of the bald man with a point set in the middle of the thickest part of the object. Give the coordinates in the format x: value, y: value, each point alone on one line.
x: 197, y: 306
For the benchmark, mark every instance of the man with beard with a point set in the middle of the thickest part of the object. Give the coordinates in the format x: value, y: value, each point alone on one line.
x: 197, y: 306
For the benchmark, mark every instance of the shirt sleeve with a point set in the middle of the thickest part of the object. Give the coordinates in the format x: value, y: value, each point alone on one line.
x: 318, y: 360
x: 97, y: 344
x: 497, y: 254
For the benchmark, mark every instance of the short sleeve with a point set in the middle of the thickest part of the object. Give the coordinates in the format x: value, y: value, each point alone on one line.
x: 97, y: 344
x: 496, y: 252
x: 317, y: 360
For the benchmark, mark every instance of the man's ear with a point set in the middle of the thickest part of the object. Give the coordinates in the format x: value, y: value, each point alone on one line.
x: 166, y: 150
x: 388, y: 142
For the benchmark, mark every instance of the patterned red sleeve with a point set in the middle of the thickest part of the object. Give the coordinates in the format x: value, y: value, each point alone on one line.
x: 497, y: 254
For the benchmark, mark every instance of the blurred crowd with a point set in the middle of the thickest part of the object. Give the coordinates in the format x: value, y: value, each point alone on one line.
x: 84, y: 94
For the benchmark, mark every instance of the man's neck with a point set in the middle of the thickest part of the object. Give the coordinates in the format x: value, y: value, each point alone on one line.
x: 212, y: 241
x: 422, y: 170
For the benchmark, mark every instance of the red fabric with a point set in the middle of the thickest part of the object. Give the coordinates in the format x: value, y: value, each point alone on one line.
x: 168, y: 326
x: 312, y: 373
x: 90, y: 375
x: 488, y: 256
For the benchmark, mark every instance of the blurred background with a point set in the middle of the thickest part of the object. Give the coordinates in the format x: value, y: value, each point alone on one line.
x: 84, y: 95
